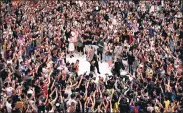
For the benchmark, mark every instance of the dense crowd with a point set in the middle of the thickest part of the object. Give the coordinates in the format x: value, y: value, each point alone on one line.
x: 142, y: 43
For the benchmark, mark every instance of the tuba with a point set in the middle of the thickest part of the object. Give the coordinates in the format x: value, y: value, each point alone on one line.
x: 90, y: 54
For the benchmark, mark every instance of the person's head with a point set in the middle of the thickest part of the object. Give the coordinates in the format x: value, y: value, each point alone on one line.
x: 29, y: 95
x: 41, y: 83
x: 65, y: 95
x: 21, y: 63
x: 77, y: 61
x: 73, y: 107
x: 73, y: 96
x: 118, y: 58
x: 9, y: 100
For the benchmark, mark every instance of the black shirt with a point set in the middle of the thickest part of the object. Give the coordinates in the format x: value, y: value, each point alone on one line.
x: 164, y: 33
x: 3, y: 74
x: 125, y: 37
x: 124, y: 55
x: 37, y: 89
x: 124, y: 107
x: 62, y: 82
x: 68, y: 34
x: 78, y: 108
x: 118, y: 65
x: 41, y: 108
x: 87, y: 39
x: 106, y: 17
x: 131, y: 59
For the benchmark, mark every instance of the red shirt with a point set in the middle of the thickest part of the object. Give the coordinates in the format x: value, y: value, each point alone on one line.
x: 44, y: 89
x: 131, y: 39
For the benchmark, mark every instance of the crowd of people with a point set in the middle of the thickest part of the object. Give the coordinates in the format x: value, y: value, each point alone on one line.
x: 144, y: 40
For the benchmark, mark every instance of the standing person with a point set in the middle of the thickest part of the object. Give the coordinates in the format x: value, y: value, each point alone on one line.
x: 80, y: 46
x: 74, y: 35
x: 125, y: 58
x: 118, y: 65
x: 94, y: 63
x: 67, y: 36
x: 76, y: 67
x: 71, y: 47
x: 109, y: 54
x: 131, y: 59
x: 100, y: 48
x: 63, y: 48
x: 87, y: 40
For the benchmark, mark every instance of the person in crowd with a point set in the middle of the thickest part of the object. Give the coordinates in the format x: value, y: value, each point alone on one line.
x: 118, y: 66
x: 125, y: 57
x: 131, y: 60
x: 100, y: 48
x: 142, y: 42
x: 80, y: 46
x: 94, y: 64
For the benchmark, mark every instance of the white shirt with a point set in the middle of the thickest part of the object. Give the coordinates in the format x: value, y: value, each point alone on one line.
x: 8, y: 107
x: 9, y: 91
x: 69, y: 92
x: 114, y: 22
x: 45, y: 71
x: 152, y: 9
x: 150, y: 109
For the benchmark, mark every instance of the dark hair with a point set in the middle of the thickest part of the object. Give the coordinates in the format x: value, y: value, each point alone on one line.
x: 41, y: 83
x: 9, y: 100
x: 65, y: 95
x: 6, y: 84
x: 73, y: 95
x: 29, y: 95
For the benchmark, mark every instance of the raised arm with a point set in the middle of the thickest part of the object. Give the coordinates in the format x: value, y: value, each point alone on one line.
x: 81, y: 108
x: 86, y: 90
x: 53, y: 84
x: 106, y: 105
x: 80, y: 81
x: 74, y: 85
x: 46, y: 100
x: 93, y: 101
x: 52, y: 92
x: 100, y: 92
x: 86, y: 102
x: 54, y: 100
x: 49, y: 81
x: 168, y: 86
x: 110, y: 106
x: 119, y: 99
x: 116, y: 87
